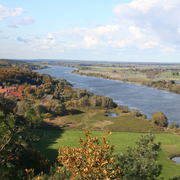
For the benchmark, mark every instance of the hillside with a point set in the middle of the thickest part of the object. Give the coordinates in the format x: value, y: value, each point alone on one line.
x: 8, y: 63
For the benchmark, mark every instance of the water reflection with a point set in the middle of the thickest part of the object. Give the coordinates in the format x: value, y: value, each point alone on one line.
x: 112, y: 115
x: 176, y: 159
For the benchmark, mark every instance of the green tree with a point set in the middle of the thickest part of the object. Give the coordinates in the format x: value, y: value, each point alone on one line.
x: 135, y: 112
x: 173, y: 126
x: 40, y: 93
x: 140, y: 162
x: 16, y: 146
x: 159, y: 119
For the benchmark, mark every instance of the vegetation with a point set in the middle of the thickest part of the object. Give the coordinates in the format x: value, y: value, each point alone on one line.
x: 141, y: 162
x: 161, y: 76
x: 173, y: 126
x: 169, y: 146
x: 76, y: 109
x: 19, y: 76
x: 7, y: 63
x: 16, y: 145
x: 91, y: 160
x: 159, y: 119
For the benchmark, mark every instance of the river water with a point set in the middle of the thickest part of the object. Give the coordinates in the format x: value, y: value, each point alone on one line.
x: 146, y: 99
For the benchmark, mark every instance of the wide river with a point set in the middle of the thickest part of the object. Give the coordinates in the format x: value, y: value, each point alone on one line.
x: 146, y: 99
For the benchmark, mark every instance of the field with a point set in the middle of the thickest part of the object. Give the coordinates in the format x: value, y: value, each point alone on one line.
x: 54, y: 139
x: 96, y: 119
x: 125, y: 131
x: 125, y: 74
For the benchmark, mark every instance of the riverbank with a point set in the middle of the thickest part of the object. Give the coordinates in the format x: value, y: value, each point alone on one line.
x: 163, y: 84
x: 147, y: 100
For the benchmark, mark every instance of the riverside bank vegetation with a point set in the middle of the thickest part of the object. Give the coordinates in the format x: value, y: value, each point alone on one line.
x: 49, y: 110
x: 163, y: 76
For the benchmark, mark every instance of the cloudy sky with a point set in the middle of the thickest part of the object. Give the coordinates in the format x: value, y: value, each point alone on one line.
x: 113, y: 30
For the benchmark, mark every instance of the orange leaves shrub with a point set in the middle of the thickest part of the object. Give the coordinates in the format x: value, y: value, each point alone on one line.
x: 21, y: 88
x: 92, y: 161
x: 65, y: 91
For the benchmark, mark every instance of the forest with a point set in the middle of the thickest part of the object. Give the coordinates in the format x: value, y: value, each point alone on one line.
x: 8, y: 63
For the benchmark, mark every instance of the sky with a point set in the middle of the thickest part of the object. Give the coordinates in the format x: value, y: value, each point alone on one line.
x: 110, y: 30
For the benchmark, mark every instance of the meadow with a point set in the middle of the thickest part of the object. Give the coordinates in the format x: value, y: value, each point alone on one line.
x: 124, y: 74
x: 125, y: 131
x: 55, y: 139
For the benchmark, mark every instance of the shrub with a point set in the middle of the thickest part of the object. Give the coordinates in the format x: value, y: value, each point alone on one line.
x: 173, y: 126
x: 159, y: 119
x: 39, y: 109
x: 140, y: 162
x: 91, y: 161
x: 48, y: 116
x: 135, y: 112
x: 123, y: 111
x: 144, y: 116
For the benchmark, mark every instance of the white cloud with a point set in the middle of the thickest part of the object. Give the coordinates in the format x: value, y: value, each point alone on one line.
x: 149, y: 45
x: 89, y: 41
x: 10, y: 12
x: 22, y: 21
x: 168, y: 49
x: 178, y: 30
x: 50, y: 41
x: 141, y: 24
x: 136, y: 32
x: 90, y: 38
x: 159, y: 18
x: 44, y: 47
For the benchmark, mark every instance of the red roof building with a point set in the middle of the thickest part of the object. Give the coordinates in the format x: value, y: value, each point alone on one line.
x: 11, y: 91
x: 16, y: 94
x: 3, y: 90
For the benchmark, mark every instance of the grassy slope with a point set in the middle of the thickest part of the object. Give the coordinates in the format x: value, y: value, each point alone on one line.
x: 54, y: 139
x: 95, y: 119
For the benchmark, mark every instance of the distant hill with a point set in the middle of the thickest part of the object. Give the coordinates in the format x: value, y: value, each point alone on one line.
x: 8, y: 63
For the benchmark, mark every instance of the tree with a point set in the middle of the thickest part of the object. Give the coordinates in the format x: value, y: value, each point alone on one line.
x: 159, y: 119
x: 16, y: 146
x: 173, y: 126
x: 140, y: 162
x: 135, y: 112
x: 40, y: 93
x: 27, y: 90
x: 91, y: 161
x: 21, y: 88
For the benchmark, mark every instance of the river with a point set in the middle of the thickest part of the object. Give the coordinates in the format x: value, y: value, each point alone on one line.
x: 146, y: 99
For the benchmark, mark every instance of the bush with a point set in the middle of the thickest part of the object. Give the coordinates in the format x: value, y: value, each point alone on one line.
x: 159, y: 119
x: 48, y: 116
x: 144, y: 116
x: 173, y: 126
x: 123, y: 111
x: 39, y: 109
x: 140, y: 162
x: 91, y: 161
x: 135, y: 113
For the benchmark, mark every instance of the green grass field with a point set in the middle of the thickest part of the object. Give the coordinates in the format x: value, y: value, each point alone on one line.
x: 132, y: 77
x: 95, y: 119
x: 55, y: 139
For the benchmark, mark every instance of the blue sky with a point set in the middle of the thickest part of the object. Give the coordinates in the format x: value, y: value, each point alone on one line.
x: 112, y: 30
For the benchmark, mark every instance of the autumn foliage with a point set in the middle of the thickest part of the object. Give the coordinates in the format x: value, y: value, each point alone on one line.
x: 92, y: 161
